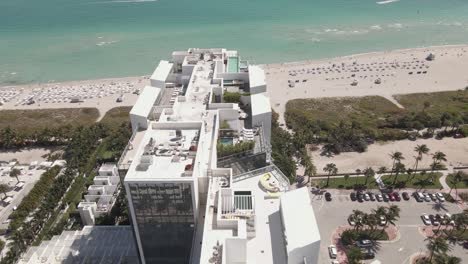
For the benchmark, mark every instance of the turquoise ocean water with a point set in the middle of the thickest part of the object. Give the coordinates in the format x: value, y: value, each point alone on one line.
x: 44, y: 40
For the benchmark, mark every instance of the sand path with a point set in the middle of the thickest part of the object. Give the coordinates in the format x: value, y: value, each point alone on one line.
x: 400, y: 72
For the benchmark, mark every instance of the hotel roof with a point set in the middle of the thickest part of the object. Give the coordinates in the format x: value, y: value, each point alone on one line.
x: 145, y: 101
x: 299, y: 222
x: 260, y: 104
x: 162, y: 71
x: 256, y: 76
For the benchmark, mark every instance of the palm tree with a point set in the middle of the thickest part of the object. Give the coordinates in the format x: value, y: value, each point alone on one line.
x: 382, y: 169
x: 437, y: 245
x: 420, y: 150
x: 393, y: 214
x: 4, y: 189
x: 396, y: 157
x: 14, y: 173
x: 452, y: 260
x: 456, y: 178
x: 399, y: 167
x: 368, y: 172
x: 437, y: 158
x: 331, y: 169
x: 309, y: 168
x: 346, y: 177
x: 357, y: 215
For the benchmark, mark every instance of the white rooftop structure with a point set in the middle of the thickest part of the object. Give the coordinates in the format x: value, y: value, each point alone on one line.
x: 160, y: 75
x: 300, y: 227
x: 101, y: 195
x: 257, y: 79
x: 143, y: 106
x: 260, y: 104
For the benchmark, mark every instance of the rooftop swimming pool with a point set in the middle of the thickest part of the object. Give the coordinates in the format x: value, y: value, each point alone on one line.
x: 227, y: 141
x: 233, y: 64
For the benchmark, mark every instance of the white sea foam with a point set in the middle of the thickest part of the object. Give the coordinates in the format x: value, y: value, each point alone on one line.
x: 386, y: 2
x: 105, y: 43
x: 395, y: 25
x: 376, y: 27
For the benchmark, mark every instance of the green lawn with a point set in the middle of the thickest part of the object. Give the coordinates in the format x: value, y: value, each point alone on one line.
x: 463, y: 184
x: 341, y: 183
x: 417, y: 181
x: 40, y: 118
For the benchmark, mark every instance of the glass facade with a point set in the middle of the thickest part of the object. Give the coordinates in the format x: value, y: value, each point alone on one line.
x: 165, y: 219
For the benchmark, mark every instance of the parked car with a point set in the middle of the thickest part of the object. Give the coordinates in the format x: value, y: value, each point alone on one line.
x: 426, y: 220
x: 379, y: 197
x: 440, y: 196
x: 397, y: 196
x: 418, y: 196
x: 332, y: 251
x: 360, y: 198
x: 382, y: 220
x: 367, y: 254
x: 328, y: 196
x: 371, y: 196
x: 366, y: 197
x: 366, y: 243
x: 351, y: 221
x: 405, y: 196
x: 433, y: 197
x: 353, y: 196
x: 427, y: 198
x: 448, y: 219
x: 391, y: 197
x: 385, y: 197
x: 434, y: 220
x: 335, y: 262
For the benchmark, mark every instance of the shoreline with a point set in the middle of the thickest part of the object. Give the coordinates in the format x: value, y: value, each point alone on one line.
x: 287, y: 63
x: 371, y: 53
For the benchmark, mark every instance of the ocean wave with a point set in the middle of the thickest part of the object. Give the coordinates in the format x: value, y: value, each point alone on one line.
x: 105, y: 43
x: 387, y: 2
x: 376, y: 27
x: 395, y: 25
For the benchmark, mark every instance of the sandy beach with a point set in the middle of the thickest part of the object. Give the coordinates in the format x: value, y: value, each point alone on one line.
x: 378, y: 73
x: 377, y: 155
x: 101, y: 94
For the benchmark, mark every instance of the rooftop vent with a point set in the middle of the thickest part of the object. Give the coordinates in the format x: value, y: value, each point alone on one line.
x: 145, y: 162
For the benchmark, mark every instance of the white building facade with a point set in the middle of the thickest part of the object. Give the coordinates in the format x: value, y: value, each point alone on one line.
x: 182, y: 205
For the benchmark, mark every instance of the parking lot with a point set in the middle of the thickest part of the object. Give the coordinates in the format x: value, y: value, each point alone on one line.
x: 28, y: 177
x: 335, y: 213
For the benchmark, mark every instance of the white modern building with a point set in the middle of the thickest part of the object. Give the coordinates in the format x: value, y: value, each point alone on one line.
x: 192, y: 198
x: 101, y: 195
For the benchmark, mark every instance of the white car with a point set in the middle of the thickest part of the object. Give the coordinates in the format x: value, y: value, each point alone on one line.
x: 7, y: 221
x: 427, y: 198
x: 426, y: 220
x: 332, y: 251
x: 383, y: 221
x: 366, y: 197
x: 448, y: 218
x: 441, y: 197
x: 379, y: 197
x: 335, y: 262
x: 351, y: 221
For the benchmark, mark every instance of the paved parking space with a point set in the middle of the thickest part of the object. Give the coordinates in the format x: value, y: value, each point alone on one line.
x: 332, y: 214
